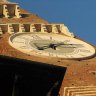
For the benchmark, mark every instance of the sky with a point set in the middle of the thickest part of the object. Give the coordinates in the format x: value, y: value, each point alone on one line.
x: 78, y: 15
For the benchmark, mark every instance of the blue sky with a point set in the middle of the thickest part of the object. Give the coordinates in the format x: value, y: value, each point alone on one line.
x: 78, y: 15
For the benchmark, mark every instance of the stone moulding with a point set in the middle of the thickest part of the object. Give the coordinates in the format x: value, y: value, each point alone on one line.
x: 10, y: 10
x: 30, y: 27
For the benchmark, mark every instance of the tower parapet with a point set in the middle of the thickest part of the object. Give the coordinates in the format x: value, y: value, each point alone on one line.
x: 12, y: 10
x: 36, y: 27
x: 9, y: 9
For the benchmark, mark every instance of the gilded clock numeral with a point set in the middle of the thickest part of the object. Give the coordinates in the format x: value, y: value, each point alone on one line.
x: 67, y: 56
x: 24, y: 38
x: 50, y: 54
x: 39, y: 52
x: 36, y: 37
x: 51, y: 38
x: 66, y: 41
x: 84, y: 50
x: 83, y: 55
x: 24, y: 47
x: 18, y: 42
x: 71, y: 56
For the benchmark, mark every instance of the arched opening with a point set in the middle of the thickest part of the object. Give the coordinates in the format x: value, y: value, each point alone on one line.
x: 28, y: 78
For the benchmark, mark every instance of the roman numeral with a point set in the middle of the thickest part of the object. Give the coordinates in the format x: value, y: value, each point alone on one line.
x: 36, y: 37
x: 84, y: 50
x: 24, y: 38
x: 24, y: 47
x: 17, y: 42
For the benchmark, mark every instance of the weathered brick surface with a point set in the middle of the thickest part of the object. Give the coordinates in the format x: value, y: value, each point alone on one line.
x: 78, y: 73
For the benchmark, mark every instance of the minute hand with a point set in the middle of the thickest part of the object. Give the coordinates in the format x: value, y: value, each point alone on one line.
x: 54, y: 46
x: 68, y: 45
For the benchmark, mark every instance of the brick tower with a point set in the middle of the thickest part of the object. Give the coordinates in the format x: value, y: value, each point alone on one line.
x: 52, y: 61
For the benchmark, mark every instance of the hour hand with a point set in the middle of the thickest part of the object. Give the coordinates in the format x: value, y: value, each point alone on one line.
x: 41, y: 46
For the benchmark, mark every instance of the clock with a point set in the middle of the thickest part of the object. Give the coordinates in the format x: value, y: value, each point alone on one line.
x: 51, y: 45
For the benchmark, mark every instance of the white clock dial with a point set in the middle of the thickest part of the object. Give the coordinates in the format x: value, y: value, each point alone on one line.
x: 52, y: 45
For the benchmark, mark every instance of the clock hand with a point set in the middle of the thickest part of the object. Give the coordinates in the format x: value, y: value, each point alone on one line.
x: 41, y: 47
x: 45, y: 46
x: 67, y: 45
x: 54, y: 46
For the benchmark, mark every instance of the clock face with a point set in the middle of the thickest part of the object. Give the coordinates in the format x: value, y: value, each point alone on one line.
x: 51, y: 45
